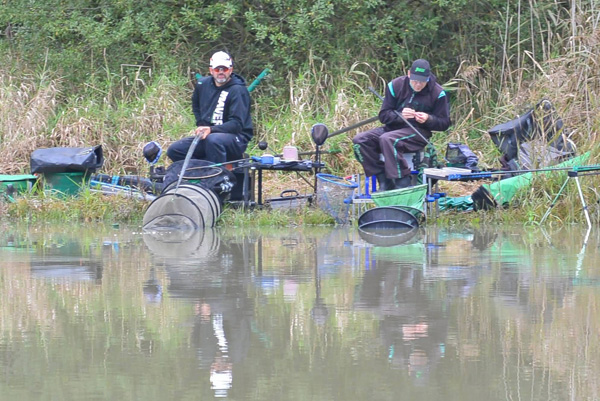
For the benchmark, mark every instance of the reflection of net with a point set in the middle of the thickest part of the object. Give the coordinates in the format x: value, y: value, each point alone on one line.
x: 185, y: 245
x: 188, y: 207
x: 334, y: 196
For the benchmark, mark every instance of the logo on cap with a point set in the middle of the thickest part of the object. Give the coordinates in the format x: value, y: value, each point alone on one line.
x: 220, y: 59
x: 420, y: 70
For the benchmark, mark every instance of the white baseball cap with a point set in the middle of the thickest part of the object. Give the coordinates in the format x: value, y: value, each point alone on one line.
x: 220, y: 59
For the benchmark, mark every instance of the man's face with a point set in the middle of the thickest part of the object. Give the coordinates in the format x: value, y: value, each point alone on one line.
x: 221, y: 74
x: 417, y: 86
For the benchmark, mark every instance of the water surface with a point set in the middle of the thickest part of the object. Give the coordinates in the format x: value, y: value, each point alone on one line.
x: 102, y: 313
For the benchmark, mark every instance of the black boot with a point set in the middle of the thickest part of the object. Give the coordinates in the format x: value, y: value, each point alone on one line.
x: 385, y: 184
x: 403, y: 182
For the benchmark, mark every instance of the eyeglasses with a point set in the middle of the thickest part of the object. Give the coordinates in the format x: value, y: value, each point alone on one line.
x: 221, y: 69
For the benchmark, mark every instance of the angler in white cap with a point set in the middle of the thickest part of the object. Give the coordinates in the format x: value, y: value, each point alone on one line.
x: 221, y: 105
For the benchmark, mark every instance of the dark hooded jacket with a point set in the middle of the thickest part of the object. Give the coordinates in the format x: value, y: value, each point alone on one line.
x: 431, y: 100
x: 225, y: 108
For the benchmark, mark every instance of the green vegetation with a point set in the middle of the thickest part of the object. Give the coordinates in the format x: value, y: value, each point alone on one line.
x: 119, y: 74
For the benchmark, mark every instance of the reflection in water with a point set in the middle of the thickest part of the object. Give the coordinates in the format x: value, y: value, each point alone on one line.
x: 299, y: 314
x: 213, y: 275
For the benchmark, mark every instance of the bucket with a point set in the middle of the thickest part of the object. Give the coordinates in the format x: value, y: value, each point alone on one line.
x: 189, y: 207
x: 334, y: 196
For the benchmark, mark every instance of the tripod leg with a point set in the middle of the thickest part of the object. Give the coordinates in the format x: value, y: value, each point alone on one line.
x: 554, y: 201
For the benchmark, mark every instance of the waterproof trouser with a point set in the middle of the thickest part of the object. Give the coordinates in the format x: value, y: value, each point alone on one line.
x: 217, y: 147
x: 369, y: 145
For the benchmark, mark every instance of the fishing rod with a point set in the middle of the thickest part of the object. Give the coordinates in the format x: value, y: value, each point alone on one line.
x: 575, y: 170
x: 258, y: 79
x: 353, y: 126
x: 187, y: 159
x: 254, y: 83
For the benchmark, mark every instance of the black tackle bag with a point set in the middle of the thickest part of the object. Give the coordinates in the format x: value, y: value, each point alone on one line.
x: 460, y: 155
x: 66, y: 160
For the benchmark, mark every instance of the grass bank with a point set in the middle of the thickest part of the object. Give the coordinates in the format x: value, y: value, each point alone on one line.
x: 36, y: 113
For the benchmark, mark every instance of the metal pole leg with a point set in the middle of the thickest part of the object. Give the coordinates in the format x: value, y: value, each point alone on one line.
x: 554, y: 201
x: 585, y: 208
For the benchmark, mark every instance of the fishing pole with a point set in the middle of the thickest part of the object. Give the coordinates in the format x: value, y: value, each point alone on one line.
x: 254, y: 83
x: 187, y: 159
x: 353, y: 126
x: 258, y: 79
x: 576, y: 170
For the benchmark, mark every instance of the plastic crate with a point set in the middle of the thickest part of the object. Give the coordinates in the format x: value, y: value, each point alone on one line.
x: 11, y: 184
x: 67, y: 184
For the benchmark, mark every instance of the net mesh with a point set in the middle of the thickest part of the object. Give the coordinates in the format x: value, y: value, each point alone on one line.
x: 209, y: 175
x: 188, y: 207
x: 334, y: 196
x: 412, y: 197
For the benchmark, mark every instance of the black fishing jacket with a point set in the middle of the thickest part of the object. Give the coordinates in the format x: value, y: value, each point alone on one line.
x: 431, y: 100
x: 225, y: 108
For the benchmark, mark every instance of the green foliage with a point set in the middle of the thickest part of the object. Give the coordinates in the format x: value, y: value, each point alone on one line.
x: 100, y: 43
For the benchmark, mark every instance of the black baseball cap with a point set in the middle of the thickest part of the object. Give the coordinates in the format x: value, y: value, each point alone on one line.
x: 420, y: 70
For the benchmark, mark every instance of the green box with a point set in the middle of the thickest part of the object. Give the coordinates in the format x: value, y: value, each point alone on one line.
x: 68, y: 184
x: 19, y: 184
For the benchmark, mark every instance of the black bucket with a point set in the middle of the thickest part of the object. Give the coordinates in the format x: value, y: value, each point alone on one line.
x: 189, y: 207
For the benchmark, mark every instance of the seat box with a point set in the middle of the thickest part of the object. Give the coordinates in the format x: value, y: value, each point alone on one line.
x: 11, y: 184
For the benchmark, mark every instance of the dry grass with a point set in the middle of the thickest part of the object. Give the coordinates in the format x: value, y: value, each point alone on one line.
x: 27, y: 107
x: 32, y: 116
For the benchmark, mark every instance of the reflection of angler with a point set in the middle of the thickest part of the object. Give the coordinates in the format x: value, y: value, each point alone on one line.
x: 221, y: 375
x: 319, y: 311
x: 152, y: 288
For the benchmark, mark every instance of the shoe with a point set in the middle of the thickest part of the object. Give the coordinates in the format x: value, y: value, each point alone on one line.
x: 385, y: 184
x: 403, y: 182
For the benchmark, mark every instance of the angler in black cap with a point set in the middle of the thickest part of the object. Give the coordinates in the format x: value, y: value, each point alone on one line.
x: 423, y: 103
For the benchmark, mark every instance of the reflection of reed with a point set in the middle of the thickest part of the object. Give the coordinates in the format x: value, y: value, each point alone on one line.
x: 63, y: 306
x: 541, y: 316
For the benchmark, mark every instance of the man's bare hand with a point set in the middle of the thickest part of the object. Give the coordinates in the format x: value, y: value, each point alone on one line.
x: 421, y: 117
x: 408, y: 113
x: 203, y: 132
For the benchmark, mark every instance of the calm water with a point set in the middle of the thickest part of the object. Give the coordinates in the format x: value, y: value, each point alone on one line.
x: 298, y: 314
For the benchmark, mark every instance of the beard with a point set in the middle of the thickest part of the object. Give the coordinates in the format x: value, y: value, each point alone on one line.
x: 221, y: 79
